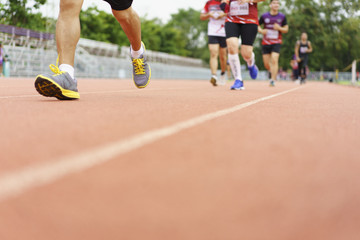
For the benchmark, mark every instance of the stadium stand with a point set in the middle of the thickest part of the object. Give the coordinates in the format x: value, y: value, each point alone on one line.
x: 31, y: 52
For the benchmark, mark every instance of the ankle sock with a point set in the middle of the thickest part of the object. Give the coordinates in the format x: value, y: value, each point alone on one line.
x: 69, y: 69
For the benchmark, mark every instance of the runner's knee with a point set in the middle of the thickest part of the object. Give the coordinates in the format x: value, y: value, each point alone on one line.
x: 70, y: 6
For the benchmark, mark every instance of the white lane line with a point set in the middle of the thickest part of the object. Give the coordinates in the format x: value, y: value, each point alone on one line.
x: 99, y: 92
x: 19, y: 96
x: 20, y: 181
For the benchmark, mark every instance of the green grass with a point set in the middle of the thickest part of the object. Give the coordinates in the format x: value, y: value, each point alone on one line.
x: 348, y: 83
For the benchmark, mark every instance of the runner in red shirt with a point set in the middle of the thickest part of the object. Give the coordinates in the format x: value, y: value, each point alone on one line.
x: 216, y: 38
x: 242, y: 21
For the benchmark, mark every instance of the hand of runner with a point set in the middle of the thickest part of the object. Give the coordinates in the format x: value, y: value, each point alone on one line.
x: 276, y: 26
x: 244, y: 1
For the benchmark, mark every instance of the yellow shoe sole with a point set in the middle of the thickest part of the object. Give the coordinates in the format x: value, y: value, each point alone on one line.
x: 49, y: 88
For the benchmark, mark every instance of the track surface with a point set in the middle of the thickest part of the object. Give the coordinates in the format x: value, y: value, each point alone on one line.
x: 180, y: 160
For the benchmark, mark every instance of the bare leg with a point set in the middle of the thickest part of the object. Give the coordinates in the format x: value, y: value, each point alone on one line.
x: 130, y: 23
x: 266, y: 60
x: 233, y: 45
x: 274, y: 65
x: 214, y: 54
x: 246, y: 53
x: 68, y: 30
x: 223, y: 58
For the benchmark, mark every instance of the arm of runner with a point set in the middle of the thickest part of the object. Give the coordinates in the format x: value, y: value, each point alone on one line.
x: 282, y: 29
x: 310, y: 49
x: 223, y: 4
x: 205, y: 16
x: 249, y: 1
x: 261, y: 30
x: 221, y: 15
x: 297, y: 46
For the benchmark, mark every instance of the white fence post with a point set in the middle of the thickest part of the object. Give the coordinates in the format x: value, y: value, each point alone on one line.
x: 353, y: 72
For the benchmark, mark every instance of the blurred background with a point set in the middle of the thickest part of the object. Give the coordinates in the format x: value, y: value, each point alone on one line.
x: 176, y: 38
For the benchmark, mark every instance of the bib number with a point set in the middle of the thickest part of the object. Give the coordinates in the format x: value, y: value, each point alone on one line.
x: 272, y: 34
x: 303, y: 49
x: 239, y: 9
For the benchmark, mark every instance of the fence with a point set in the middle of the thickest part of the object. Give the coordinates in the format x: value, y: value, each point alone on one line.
x: 31, y: 52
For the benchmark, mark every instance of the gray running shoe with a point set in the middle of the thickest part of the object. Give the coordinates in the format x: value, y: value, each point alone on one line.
x: 141, y: 70
x: 59, y: 85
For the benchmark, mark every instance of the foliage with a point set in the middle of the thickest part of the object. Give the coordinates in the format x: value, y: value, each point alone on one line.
x: 332, y: 27
x: 18, y: 13
x: 192, y: 30
x: 101, y: 26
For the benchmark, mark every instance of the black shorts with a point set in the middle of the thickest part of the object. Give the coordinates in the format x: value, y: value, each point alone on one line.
x: 217, y: 40
x: 119, y: 5
x: 247, y: 32
x: 267, y: 49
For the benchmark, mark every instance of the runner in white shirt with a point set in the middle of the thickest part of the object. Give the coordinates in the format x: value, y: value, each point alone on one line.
x: 216, y: 39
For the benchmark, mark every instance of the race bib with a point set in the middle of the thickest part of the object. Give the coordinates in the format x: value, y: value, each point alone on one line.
x: 239, y: 9
x: 303, y: 49
x: 272, y: 34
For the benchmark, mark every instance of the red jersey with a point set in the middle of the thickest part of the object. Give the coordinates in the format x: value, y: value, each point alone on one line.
x: 216, y: 27
x: 245, y: 13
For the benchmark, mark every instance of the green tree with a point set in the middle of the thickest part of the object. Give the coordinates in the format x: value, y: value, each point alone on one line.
x: 17, y: 13
x: 101, y: 26
x: 332, y: 27
x: 192, y: 30
x: 152, y: 34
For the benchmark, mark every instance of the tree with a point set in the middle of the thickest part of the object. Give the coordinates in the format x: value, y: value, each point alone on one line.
x: 332, y: 27
x: 16, y: 13
x: 192, y: 30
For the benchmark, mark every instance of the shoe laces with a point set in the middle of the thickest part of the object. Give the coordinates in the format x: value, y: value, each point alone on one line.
x: 55, y: 68
x: 139, y: 65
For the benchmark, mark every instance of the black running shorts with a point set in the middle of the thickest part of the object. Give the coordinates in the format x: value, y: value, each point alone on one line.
x: 268, y: 49
x: 217, y: 40
x: 246, y: 31
x: 119, y: 5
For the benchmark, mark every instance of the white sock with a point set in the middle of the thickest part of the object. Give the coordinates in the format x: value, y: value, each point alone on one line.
x: 136, y: 54
x: 69, y: 69
x: 235, y: 66
x: 251, y: 61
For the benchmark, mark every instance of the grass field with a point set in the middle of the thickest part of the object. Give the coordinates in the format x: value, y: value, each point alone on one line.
x: 348, y: 83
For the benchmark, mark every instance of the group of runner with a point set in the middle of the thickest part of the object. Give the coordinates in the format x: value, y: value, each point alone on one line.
x: 231, y: 20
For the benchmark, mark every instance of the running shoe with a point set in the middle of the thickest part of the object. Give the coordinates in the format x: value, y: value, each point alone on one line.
x: 141, y: 70
x: 272, y: 83
x: 213, y: 80
x: 253, y: 70
x: 238, y: 85
x: 59, y: 85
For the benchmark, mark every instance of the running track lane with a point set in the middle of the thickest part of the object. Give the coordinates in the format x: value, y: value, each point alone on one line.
x: 281, y: 168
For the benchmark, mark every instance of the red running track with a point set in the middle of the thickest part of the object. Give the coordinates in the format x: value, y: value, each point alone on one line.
x: 180, y: 160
